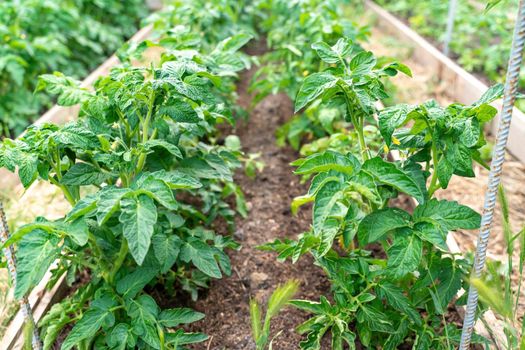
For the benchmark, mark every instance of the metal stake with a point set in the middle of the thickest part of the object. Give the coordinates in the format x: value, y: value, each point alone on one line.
x: 452, y: 9
x: 11, y: 264
x: 511, y: 86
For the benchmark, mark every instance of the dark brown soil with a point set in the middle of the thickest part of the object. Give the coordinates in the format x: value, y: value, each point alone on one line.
x: 257, y: 273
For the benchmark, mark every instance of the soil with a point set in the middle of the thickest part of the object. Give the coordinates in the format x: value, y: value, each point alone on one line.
x: 257, y: 273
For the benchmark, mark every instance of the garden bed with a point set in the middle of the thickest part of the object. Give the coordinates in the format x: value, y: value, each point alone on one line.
x: 256, y: 273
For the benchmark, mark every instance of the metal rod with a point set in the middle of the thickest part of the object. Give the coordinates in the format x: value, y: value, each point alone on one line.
x: 11, y: 264
x: 452, y: 9
x: 511, y: 86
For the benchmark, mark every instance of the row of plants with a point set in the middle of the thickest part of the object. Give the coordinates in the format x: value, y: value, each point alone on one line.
x: 149, y: 178
x: 481, y: 40
x: 42, y: 36
x: 393, y: 278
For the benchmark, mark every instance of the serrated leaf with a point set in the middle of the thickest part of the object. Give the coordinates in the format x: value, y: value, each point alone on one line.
x: 362, y: 63
x: 109, y: 202
x: 175, y: 317
x: 171, y: 148
x: 36, y: 252
x: 98, y: 314
x: 335, y: 53
x: 377, y: 224
x: 326, y: 161
x: 133, y: 283
x: 313, y: 86
x: 395, y: 297
x: 180, y: 111
x: 202, y: 256
x: 405, y: 253
x: 387, y: 173
x: 166, y: 249
x: 83, y: 174
x: 450, y: 214
x: 138, y: 217
x: 144, y: 312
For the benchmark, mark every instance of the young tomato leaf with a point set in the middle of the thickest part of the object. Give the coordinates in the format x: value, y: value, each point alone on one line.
x: 138, y: 217
x: 405, y: 253
x: 389, y: 174
x: 395, y: 297
x: 313, y: 86
x: 202, y: 256
x: 83, y: 174
x: 36, y: 252
x: 449, y: 214
x: 175, y: 317
x: 98, y: 315
x: 329, y: 160
x: 377, y: 224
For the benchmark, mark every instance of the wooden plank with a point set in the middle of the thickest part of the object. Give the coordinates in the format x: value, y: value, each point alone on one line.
x: 461, y: 85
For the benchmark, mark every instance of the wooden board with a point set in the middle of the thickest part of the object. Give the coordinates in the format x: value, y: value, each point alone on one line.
x: 461, y: 85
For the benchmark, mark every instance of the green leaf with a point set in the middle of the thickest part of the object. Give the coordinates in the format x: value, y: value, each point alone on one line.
x: 68, y: 90
x: 362, y: 63
x: 180, y: 337
x: 445, y: 169
x: 395, y: 297
x: 83, y: 174
x: 405, y: 253
x: 138, y: 217
x: 333, y: 54
x: 427, y: 231
x: 176, y: 179
x: 326, y: 161
x: 375, y: 319
x: 202, y: 256
x: 326, y: 205
x: 109, y: 202
x: 121, y: 337
x: 392, y: 118
x: 175, y: 317
x: 133, y: 283
x: 313, y: 86
x: 77, y: 230
x: 449, y: 214
x: 83, y: 207
x: 180, y: 111
x: 158, y: 190
x: 493, y: 93
x: 377, y: 224
x: 143, y: 312
x: 387, y: 173
x: 36, y: 252
x: 98, y: 315
x: 166, y: 249
x: 174, y: 150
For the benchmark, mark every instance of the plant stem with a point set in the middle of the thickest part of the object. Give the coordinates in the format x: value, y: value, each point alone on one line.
x: 123, y: 252
x: 433, y: 181
x: 145, y: 129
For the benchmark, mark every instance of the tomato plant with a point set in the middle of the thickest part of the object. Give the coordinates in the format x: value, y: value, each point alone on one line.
x: 391, y: 273
x: 42, y: 36
x: 130, y: 166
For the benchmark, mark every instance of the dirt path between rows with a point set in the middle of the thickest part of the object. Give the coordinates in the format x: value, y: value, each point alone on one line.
x: 257, y: 273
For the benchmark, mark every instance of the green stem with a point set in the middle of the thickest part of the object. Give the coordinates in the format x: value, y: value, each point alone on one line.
x: 433, y: 181
x: 123, y: 252
x: 145, y: 130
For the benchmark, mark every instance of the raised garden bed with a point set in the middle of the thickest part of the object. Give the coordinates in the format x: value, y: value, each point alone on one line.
x: 255, y: 273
